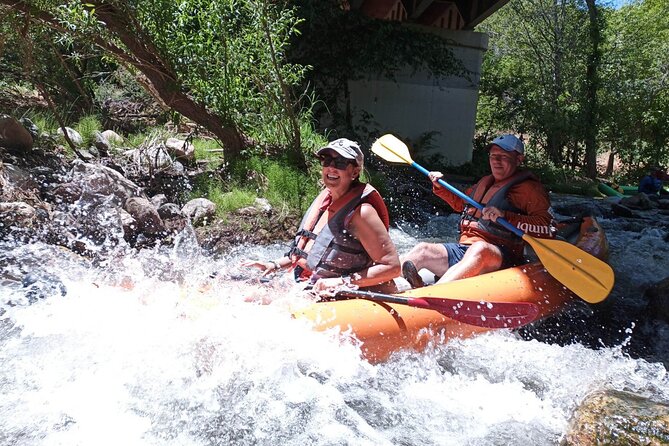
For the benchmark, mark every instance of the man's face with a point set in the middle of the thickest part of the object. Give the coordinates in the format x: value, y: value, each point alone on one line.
x: 503, y: 164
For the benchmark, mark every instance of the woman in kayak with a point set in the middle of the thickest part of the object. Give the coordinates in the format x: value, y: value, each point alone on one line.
x: 343, y: 239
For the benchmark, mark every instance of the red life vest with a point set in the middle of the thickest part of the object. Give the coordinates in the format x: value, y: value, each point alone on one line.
x: 323, y: 245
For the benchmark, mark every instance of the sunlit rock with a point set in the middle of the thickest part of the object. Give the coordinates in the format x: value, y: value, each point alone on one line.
x: 13, y: 135
x: 112, y: 137
x: 74, y: 136
x: 17, y: 215
x: 101, y: 144
x: 199, y: 210
x: 146, y: 215
x: 100, y: 182
x: 181, y: 150
x: 618, y: 418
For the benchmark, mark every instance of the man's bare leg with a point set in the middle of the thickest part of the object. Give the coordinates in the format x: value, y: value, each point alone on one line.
x: 480, y: 258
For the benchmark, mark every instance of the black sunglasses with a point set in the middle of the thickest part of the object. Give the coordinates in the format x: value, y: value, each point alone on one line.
x: 340, y: 163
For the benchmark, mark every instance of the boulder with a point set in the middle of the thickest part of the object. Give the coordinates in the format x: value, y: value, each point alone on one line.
x: 146, y: 215
x: 180, y: 150
x: 199, y: 210
x: 99, y: 182
x: 112, y: 137
x: 13, y: 135
x: 614, y: 417
x: 74, y: 136
x: 639, y: 201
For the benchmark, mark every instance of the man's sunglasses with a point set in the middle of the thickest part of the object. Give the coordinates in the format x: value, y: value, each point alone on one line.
x: 340, y: 163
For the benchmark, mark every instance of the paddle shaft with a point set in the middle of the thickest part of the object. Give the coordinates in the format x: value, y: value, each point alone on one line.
x: 501, y: 221
x: 480, y: 314
x: 390, y: 298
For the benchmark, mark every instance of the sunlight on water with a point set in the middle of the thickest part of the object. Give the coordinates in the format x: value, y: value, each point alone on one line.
x: 150, y: 350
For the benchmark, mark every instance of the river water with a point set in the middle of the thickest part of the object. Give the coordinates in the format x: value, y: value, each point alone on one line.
x: 147, y: 349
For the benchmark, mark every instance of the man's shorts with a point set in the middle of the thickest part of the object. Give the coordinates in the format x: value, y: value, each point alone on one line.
x: 457, y: 250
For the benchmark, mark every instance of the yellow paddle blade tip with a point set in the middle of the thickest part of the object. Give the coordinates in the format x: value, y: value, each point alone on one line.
x: 392, y: 149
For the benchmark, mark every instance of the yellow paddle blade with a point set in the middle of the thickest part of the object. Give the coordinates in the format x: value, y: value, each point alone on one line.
x: 391, y: 149
x: 587, y: 276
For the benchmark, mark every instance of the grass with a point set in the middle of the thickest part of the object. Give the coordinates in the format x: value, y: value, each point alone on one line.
x: 45, y: 122
x: 87, y: 127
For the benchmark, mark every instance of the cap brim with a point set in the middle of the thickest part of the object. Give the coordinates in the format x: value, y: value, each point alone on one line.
x: 339, y: 150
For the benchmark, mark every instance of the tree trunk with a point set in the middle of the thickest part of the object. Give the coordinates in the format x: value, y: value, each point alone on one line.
x: 591, y: 87
x: 143, y: 56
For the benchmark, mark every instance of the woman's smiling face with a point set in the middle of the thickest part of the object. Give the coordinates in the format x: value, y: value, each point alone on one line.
x: 338, y: 173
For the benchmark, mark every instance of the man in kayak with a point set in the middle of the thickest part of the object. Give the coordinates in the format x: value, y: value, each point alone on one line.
x: 516, y: 195
x: 343, y: 239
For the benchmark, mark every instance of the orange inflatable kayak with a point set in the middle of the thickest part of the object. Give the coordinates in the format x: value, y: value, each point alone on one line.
x: 383, y: 328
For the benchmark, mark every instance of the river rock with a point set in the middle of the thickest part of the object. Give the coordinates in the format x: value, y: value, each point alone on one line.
x: 17, y: 215
x: 614, y: 417
x: 112, y: 137
x: 146, y: 215
x: 99, y: 182
x: 658, y: 300
x: 101, y: 144
x: 74, y: 136
x: 199, y: 210
x: 639, y: 201
x: 13, y: 135
x: 175, y: 220
x: 181, y: 150
x: 622, y: 211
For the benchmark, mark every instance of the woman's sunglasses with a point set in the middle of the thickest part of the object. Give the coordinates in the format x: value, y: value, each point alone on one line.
x: 340, y: 163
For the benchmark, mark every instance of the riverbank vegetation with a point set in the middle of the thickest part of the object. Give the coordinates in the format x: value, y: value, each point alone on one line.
x: 257, y: 85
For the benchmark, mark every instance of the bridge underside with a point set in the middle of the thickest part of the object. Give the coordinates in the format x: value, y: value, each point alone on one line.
x: 453, y: 14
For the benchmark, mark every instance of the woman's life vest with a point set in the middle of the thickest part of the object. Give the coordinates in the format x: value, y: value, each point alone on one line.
x: 323, y: 245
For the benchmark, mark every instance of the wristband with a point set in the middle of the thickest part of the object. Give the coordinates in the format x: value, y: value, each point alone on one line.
x: 276, y: 265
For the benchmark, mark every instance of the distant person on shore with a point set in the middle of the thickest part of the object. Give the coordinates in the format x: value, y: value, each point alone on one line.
x: 651, y: 184
x: 484, y: 246
x: 343, y: 239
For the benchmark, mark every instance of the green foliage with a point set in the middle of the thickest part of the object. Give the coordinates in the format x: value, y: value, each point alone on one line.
x: 230, y: 55
x: 636, y: 94
x: 282, y: 185
x: 534, y: 80
x: 534, y: 74
x: 207, y: 149
x: 230, y: 201
x: 87, y: 127
x: 45, y: 122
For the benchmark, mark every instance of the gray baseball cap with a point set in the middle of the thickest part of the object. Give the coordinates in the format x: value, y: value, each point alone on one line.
x: 346, y: 149
x: 510, y: 143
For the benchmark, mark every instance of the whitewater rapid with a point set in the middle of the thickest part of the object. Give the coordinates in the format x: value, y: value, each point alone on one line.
x: 150, y: 349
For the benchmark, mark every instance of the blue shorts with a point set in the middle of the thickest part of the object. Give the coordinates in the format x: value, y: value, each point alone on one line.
x: 457, y: 250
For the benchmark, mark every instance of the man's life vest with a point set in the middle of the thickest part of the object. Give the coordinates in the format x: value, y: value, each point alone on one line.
x: 489, y: 193
x: 323, y: 246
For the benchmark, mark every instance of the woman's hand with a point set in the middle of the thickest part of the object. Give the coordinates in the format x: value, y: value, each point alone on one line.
x: 329, y: 287
x: 267, y: 268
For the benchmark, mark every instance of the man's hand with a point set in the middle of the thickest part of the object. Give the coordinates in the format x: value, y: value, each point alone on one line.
x: 491, y: 213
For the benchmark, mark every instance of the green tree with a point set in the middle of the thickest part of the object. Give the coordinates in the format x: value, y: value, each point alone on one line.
x: 220, y: 63
x: 635, y: 94
x: 533, y: 75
